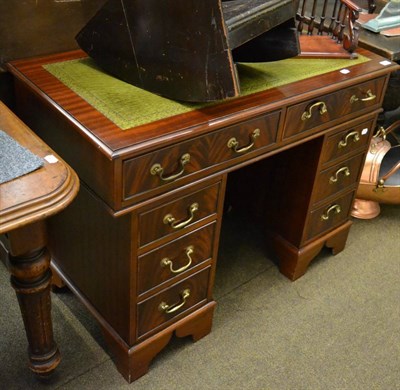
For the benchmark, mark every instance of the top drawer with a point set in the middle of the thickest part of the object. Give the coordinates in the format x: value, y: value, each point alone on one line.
x: 346, y: 142
x: 314, y: 112
x: 172, y: 164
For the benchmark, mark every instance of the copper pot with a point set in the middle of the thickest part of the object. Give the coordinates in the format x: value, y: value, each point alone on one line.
x: 380, y: 178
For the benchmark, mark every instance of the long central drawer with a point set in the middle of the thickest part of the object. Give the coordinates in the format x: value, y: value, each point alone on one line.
x: 172, y: 166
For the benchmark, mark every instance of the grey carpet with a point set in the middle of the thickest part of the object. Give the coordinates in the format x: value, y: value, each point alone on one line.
x: 15, y: 160
x: 337, y: 327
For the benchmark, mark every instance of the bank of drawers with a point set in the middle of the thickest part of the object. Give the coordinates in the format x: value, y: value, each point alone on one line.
x: 176, y: 241
x: 340, y: 167
x: 173, y: 166
x: 308, y: 115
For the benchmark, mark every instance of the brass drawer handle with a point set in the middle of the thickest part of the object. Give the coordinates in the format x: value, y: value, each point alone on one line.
x: 354, y: 135
x: 234, y: 144
x: 168, y: 309
x: 169, y: 219
x: 308, y: 113
x: 344, y: 170
x: 370, y: 96
x: 335, y: 208
x: 165, y: 262
x: 158, y: 170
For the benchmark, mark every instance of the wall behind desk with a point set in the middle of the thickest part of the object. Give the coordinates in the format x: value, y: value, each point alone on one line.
x: 30, y: 28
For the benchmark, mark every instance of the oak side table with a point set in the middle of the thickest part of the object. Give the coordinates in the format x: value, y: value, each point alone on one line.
x: 25, y: 203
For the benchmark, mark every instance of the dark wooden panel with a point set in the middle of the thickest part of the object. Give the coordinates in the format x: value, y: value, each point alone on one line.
x: 30, y: 28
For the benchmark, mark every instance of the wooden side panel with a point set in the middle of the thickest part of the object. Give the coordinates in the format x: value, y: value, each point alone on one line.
x: 93, y: 249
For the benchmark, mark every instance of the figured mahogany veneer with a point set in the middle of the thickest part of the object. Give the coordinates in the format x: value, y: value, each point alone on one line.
x: 330, y: 107
x: 139, y: 245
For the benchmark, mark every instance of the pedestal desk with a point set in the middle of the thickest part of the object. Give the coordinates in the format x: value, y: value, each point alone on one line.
x: 139, y: 246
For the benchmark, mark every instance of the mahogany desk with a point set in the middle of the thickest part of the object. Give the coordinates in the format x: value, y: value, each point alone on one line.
x: 139, y: 246
x: 25, y: 203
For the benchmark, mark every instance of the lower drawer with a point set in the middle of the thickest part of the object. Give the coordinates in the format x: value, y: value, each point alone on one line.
x: 328, y: 216
x: 174, y: 259
x: 338, y: 177
x: 164, y: 307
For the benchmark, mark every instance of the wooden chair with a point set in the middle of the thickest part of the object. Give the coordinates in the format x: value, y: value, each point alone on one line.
x: 327, y: 28
x: 186, y: 49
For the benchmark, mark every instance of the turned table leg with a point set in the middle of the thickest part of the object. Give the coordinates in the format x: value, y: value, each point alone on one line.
x: 29, y: 263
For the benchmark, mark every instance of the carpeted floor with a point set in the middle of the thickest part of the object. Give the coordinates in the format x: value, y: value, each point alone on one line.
x: 337, y: 327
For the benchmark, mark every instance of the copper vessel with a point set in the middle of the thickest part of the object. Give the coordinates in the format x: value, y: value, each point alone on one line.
x: 380, y: 178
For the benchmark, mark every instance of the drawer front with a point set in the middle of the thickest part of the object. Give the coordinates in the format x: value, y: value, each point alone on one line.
x: 178, y: 214
x: 175, y: 259
x: 172, y: 164
x: 314, y: 112
x: 337, y: 178
x: 348, y: 141
x: 164, y: 307
x: 328, y: 216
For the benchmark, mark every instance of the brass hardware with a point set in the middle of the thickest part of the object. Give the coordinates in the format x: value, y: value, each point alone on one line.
x: 158, y: 170
x: 380, y: 133
x: 380, y: 186
x: 370, y: 96
x: 354, y: 135
x: 168, y: 309
x: 233, y: 142
x: 170, y: 220
x: 345, y: 170
x: 335, y: 208
x: 321, y: 108
x: 165, y: 262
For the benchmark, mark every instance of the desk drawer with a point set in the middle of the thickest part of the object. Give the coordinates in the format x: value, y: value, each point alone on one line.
x: 337, y: 178
x: 175, y: 259
x: 164, y: 307
x: 323, y: 109
x: 172, y: 164
x: 348, y: 141
x: 177, y: 215
x: 328, y: 216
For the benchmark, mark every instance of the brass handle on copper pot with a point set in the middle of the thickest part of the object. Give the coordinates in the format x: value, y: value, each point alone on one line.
x: 334, y: 178
x: 335, y: 208
x: 233, y: 143
x: 354, y: 135
x: 168, y: 309
x: 165, y: 262
x: 370, y: 96
x: 308, y: 113
x: 169, y: 219
x: 158, y: 170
